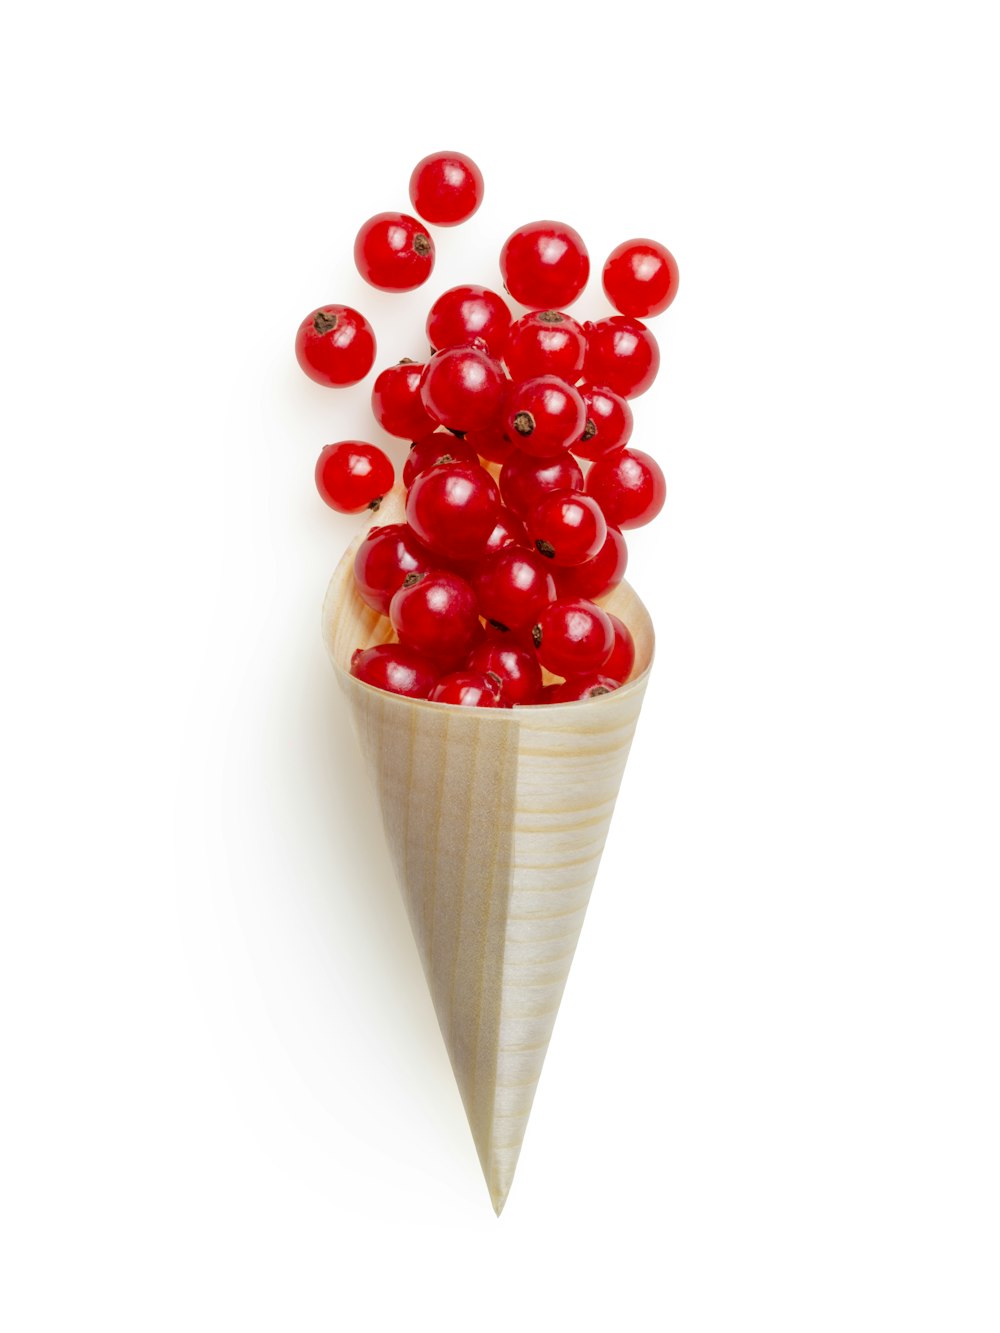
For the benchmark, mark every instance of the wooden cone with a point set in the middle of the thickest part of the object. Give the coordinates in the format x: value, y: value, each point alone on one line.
x: 496, y: 821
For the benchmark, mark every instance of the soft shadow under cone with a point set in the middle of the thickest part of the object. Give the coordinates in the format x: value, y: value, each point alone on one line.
x: 496, y: 821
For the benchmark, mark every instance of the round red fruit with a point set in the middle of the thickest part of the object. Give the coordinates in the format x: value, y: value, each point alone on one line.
x: 393, y: 252
x: 393, y: 667
x: 595, y: 577
x: 544, y: 415
x: 436, y: 614
x: 573, y: 637
x: 545, y: 265
x: 524, y: 479
x: 438, y: 447
x: 462, y: 315
x: 577, y: 688
x: 383, y: 560
x: 463, y: 389
x: 608, y: 425
x: 453, y: 509
x: 490, y: 444
x: 546, y: 342
x: 335, y: 345
x: 513, y: 587
x: 353, y: 475
x: 640, y: 278
x: 470, y: 689
x: 622, y: 659
x: 396, y: 402
x: 629, y: 486
x: 567, y: 528
x: 622, y: 354
x: 446, y: 188
x: 515, y: 667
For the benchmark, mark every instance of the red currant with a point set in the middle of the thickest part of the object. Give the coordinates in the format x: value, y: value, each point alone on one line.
x: 335, y: 345
x: 462, y: 315
x: 573, y: 637
x: 470, y: 689
x: 621, y: 354
x: 595, y: 577
x: 524, y: 479
x: 591, y: 686
x: 515, y: 667
x: 446, y: 188
x: 640, y: 278
x: 545, y: 265
x: 567, y: 528
x: 513, y: 587
x: 609, y: 423
x: 352, y: 476
x: 396, y: 401
x: 463, y: 388
x: 383, y: 560
x: 393, y: 252
x: 439, y: 447
x: 544, y: 415
x: 490, y: 444
x: 509, y: 531
x: 436, y: 614
x: 629, y: 486
x: 453, y: 509
x: 619, y: 665
x: 546, y: 342
x: 393, y: 667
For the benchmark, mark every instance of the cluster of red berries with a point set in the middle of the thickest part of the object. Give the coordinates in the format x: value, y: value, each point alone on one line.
x: 507, y: 542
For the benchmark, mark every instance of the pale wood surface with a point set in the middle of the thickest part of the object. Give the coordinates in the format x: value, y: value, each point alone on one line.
x: 496, y: 821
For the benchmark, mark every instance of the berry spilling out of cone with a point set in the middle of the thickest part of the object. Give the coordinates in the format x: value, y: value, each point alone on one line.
x: 520, y: 477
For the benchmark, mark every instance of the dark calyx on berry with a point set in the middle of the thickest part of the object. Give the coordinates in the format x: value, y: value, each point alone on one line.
x: 422, y: 244
x: 524, y: 423
x: 550, y: 316
x: 546, y: 548
x: 590, y: 430
x: 324, y: 322
x: 414, y: 576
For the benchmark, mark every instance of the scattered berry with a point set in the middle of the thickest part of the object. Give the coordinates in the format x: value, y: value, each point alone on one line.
x: 573, y: 637
x: 463, y: 389
x: 622, y: 659
x: 438, y: 447
x: 515, y: 667
x: 383, y: 560
x: 567, y: 528
x: 622, y: 354
x: 544, y: 415
x: 393, y: 667
x: 393, y: 252
x: 335, y: 345
x: 513, y: 587
x: 524, y: 479
x: 353, y: 475
x: 436, y: 614
x: 396, y: 401
x: 629, y: 486
x: 446, y: 188
x: 608, y: 425
x: 640, y: 278
x: 470, y: 689
x: 546, y: 342
x: 453, y: 509
x: 463, y: 315
x: 597, y: 577
x: 545, y: 265
x: 576, y: 688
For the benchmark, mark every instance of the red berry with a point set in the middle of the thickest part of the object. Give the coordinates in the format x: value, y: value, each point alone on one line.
x: 393, y: 667
x: 596, y: 577
x: 567, y: 528
x: 591, y: 686
x: 640, y: 278
x: 546, y: 342
x: 524, y: 479
x: 513, y: 587
x: 383, y: 560
x: 438, y: 447
x: 619, y: 665
x: 629, y: 486
x: 397, y: 404
x: 621, y: 354
x: 545, y: 265
x: 471, y: 689
x: 393, y: 252
x: 463, y: 389
x: 515, y: 667
x: 446, y: 188
x: 352, y: 476
x: 490, y: 444
x: 609, y: 423
x: 544, y: 415
x: 462, y: 314
x: 335, y: 345
x: 573, y: 637
x: 453, y: 509
x: 436, y: 614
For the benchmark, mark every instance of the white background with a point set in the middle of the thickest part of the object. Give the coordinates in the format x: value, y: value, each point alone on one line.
x: 772, y: 1098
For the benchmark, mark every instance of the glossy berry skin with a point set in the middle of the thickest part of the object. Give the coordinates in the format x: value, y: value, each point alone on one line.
x: 393, y: 252
x: 462, y: 314
x: 514, y: 666
x: 567, y: 528
x: 640, y: 278
x: 438, y: 447
x: 597, y: 577
x: 608, y: 422
x: 383, y: 560
x: 436, y: 614
x: 396, y: 402
x: 513, y: 587
x: 490, y: 444
x: 545, y: 265
x: 544, y: 415
x: 546, y: 342
x: 622, y: 354
x: 524, y: 479
x: 463, y: 388
x: 470, y: 689
x: 446, y: 188
x: 453, y: 509
x: 393, y: 667
x: 508, y: 531
x: 629, y: 486
x: 622, y: 659
x: 577, y: 688
x: 353, y: 475
x: 335, y: 345
x: 573, y: 637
